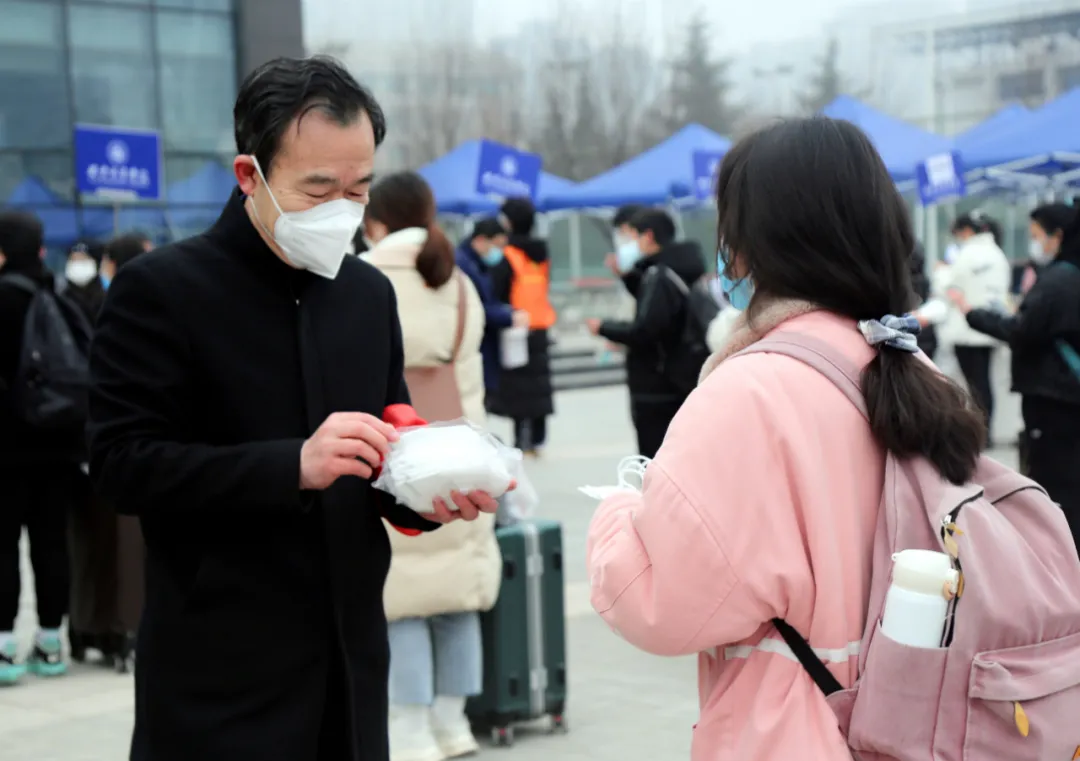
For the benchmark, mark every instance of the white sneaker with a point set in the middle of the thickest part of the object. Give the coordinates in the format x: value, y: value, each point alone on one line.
x: 451, y: 727
x: 411, y: 738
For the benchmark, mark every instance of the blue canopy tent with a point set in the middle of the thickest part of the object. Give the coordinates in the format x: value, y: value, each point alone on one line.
x: 1047, y: 142
x: 981, y: 180
x: 61, y: 220
x: 1002, y: 121
x: 453, y: 181
x: 902, y: 145
x: 659, y: 175
x: 196, y: 201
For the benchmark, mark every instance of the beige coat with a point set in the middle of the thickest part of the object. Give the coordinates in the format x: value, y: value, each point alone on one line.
x: 458, y: 567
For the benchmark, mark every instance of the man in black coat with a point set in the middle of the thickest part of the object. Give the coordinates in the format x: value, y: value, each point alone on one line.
x: 656, y: 330
x: 240, y: 378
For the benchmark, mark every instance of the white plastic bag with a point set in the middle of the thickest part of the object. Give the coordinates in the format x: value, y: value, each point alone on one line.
x: 433, y: 460
x: 514, y: 348
x: 521, y: 503
x: 630, y: 473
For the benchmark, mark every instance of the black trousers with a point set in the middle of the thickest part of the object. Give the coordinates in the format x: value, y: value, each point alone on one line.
x: 530, y: 433
x: 39, y: 497
x: 651, y: 420
x: 1051, y: 454
x: 974, y: 363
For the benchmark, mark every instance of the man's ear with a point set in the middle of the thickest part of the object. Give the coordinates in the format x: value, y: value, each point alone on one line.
x: 41, y: 254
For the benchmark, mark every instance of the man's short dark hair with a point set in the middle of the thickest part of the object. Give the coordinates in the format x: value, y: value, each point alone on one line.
x: 657, y: 222
x: 21, y: 238
x: 487, y: 228
x: 626, y: 213
x: 284, y: 89
x: 1054, y: 218
x: 520, y: 213
x: 124, y: 248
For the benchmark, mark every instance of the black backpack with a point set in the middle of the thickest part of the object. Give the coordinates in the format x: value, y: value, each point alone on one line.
x: 683, y: 364
x: 51, y: 386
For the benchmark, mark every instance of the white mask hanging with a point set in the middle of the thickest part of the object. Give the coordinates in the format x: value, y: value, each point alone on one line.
x: 316, y: 239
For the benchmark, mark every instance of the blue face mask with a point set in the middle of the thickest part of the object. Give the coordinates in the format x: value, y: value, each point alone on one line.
x: 493, y: 256
x: 738, y: 292
x: 627, y: 255
x: 105, y: 281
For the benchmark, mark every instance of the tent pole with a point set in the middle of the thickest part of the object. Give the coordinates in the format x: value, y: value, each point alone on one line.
x: 575, y: 248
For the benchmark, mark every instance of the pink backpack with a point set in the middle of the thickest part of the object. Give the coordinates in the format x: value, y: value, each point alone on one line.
x: 1007, y: 686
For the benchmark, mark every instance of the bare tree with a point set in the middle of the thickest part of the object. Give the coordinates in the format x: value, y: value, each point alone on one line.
x: 436, y: 108
x: 626, y: 77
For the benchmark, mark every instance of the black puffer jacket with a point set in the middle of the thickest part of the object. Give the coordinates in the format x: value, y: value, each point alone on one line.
x: 658, y: 319
x: 1049, y: 313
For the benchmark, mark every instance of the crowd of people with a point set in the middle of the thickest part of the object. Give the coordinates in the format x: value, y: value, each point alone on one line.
x: 244, y: 387
x: 42, y: 478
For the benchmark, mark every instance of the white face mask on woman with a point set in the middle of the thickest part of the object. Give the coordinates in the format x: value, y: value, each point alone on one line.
x: 79, y: 272
x: 316, y: 239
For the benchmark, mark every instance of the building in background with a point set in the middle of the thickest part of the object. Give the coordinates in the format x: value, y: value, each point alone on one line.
x: 171, y: 66
x: 949, y: 73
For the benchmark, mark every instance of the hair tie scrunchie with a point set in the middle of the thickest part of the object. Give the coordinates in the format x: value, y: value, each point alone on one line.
x: 893, y: 332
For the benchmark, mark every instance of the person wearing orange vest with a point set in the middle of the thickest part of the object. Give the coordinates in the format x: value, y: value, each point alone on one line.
x: 522, y: 279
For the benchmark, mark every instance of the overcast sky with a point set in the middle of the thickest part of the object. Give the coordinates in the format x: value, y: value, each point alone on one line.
x: 737, y: 24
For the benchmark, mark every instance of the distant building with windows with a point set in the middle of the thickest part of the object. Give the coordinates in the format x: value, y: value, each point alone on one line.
x: 171, y: 66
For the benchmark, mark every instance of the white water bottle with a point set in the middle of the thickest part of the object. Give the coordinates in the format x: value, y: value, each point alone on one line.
x: 916, y: 605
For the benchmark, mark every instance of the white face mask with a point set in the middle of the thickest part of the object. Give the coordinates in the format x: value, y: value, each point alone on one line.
x: 80, y: 272
x: 1036, y: 252
x: 319, y: 238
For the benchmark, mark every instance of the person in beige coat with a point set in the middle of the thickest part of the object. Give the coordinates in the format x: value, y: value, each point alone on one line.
x: 438, y: 581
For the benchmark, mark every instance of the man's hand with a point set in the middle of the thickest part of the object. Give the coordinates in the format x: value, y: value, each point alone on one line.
x: 346, y: 444
x: 593, y: 326
x: 611, y: 261
x: 956, y: 296
x: 520, y: 319
x: 469, y: 506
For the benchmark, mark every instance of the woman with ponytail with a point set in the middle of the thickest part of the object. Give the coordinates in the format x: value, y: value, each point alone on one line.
x: 763, y: 501
x: 438, y: 581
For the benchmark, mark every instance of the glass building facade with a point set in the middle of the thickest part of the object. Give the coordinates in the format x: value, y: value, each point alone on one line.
x: 165, y: 65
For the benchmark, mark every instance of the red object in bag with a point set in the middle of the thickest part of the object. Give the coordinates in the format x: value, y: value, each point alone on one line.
x: 400, y: 416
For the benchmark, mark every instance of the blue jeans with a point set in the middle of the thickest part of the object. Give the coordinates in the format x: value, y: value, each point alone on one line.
x: 441, y: 655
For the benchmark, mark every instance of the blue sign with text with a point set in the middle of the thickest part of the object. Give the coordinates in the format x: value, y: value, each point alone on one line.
x: 940, y: 178
x: 706, y: 164
x: 507, y: 172
x: 118, y: 163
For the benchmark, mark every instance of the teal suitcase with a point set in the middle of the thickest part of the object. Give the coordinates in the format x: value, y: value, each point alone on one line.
x: 525, y: 634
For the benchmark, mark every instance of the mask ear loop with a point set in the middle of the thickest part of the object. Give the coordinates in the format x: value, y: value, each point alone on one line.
x: 266, y: 184
x: 631, y: 472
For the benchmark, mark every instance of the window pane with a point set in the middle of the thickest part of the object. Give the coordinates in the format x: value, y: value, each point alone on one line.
x: 112, y: 66
x: 203, y: 5
x: 34, y: 108
x: 54, y: 170
x: 198, y: 80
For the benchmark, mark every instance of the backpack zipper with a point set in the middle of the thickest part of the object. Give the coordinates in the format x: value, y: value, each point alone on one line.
x: 949, y: 532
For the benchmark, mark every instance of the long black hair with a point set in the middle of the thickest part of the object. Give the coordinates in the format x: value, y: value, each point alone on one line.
x: 809, y: 212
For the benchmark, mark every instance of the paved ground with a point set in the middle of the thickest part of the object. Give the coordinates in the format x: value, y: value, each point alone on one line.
x: 624, y: 705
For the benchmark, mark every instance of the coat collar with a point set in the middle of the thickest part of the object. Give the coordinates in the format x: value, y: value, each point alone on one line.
x: 747, y: 331
x: 398, y: 249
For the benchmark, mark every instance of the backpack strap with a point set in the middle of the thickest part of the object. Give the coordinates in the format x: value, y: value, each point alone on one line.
x: 814, y: 666
x: 22, y: 282
x: 818, y: 355
x: 462, y: 307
